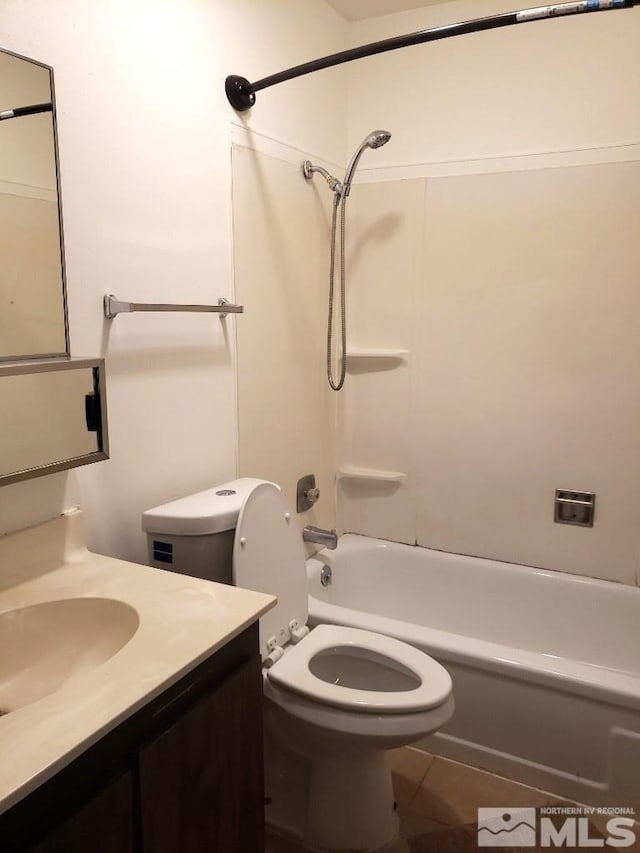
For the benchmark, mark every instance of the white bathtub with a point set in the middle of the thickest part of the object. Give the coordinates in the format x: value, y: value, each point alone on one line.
x: 545, y: 665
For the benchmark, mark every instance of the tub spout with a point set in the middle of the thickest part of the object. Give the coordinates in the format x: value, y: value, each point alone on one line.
x: 328, y: 538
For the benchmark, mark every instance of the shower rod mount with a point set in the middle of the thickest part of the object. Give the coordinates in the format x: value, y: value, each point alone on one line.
x: 241, y: 93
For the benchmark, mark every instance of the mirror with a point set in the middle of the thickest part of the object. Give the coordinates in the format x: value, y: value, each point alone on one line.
x: 53, y: 417
x: 53, y: 409
x: 32, y: 293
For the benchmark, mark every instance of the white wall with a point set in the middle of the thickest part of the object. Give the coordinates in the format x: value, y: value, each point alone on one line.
x: 286, y: 410
x: 144, y: 134
x: 549, y: 85
x: 280, y: 232
x: 484, y: 243
x: 520, y: 318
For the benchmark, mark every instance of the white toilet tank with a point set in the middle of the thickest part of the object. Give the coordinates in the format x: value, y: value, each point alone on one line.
x: 194, y: 534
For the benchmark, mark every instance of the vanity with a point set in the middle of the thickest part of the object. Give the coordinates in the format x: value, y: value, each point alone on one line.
x: 131, y: 703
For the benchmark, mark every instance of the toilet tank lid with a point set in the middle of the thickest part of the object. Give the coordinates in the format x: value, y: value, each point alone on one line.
x: 211, y: 511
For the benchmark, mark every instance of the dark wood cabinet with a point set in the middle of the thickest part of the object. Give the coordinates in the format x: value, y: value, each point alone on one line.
x: 104, y: 825
x: 201, y: 783
x: 183, y: 775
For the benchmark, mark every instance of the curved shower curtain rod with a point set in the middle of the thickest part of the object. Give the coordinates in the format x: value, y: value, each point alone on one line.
x: 241, y: 93
x: 32, y: 110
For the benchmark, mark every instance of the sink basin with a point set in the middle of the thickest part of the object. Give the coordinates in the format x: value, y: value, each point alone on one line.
x: 47, y: 646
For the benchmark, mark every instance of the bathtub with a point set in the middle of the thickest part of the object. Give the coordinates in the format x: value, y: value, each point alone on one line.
x: 545, y: 665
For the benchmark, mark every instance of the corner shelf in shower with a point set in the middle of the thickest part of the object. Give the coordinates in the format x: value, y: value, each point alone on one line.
x: 352, y: 472
x: 377, y: 354
x: 369, y: 360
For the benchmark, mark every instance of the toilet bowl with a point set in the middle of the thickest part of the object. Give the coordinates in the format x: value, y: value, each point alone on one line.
x: 360, y: 686
x: 336, y: 697
x: 342, y: 696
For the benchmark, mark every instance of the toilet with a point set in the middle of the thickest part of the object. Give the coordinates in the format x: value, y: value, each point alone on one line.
x: 337, y: 697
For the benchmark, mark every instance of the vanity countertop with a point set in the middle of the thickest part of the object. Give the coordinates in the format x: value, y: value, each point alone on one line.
x: 182, y: 621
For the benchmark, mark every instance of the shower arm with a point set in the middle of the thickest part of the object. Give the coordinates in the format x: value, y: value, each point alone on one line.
x: 308, y: 168
x: 241, y: 93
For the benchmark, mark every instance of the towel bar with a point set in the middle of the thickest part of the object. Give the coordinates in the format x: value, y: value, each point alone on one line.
x: 114, y: 306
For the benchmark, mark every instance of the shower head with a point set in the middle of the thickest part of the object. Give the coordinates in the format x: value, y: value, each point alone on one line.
x: 376, y: 139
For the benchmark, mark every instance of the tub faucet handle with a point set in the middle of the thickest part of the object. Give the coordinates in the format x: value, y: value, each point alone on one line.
x: 307, y: 493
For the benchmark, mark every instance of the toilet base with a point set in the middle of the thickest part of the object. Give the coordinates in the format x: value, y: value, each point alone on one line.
x: 331, y: 799
x: 286, y: 782
x: 351, y: 804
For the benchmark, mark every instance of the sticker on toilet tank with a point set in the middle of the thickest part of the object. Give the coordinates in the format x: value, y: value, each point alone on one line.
x: 162, y: 552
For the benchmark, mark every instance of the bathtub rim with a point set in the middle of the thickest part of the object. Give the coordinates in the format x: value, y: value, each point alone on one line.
x: 591, y: 680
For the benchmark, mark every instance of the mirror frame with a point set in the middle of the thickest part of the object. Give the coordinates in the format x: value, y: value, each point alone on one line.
x: 63, y: 273
x: 16, y: 368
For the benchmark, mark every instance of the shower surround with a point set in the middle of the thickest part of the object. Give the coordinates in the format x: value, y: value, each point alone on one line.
x: 494, y: 341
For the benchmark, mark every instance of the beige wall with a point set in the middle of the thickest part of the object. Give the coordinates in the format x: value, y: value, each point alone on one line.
x: 516, y: 297
x: 144, y: 133
x: 492, y: 238
x: 541, y: 86
x: 285, y: 409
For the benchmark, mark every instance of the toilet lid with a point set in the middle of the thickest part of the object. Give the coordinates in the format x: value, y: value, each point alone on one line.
x: 268, y: 556
x: 295, y: 671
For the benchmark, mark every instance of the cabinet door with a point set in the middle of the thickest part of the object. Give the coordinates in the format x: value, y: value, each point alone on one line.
x: 104, y: 825
x: 201, y: 781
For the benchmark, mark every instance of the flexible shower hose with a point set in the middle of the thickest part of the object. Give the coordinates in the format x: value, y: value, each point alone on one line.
x: 336, y: 386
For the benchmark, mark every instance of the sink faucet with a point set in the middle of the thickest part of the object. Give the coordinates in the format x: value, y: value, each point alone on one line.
x: 328, y: 538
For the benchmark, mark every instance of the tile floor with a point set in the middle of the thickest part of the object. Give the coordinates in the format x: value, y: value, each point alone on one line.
x: 437, y: 806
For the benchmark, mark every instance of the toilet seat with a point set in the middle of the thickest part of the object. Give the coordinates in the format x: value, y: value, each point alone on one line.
x: 395, y: 729
x: 268, y: 556
x: 292, y: 673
